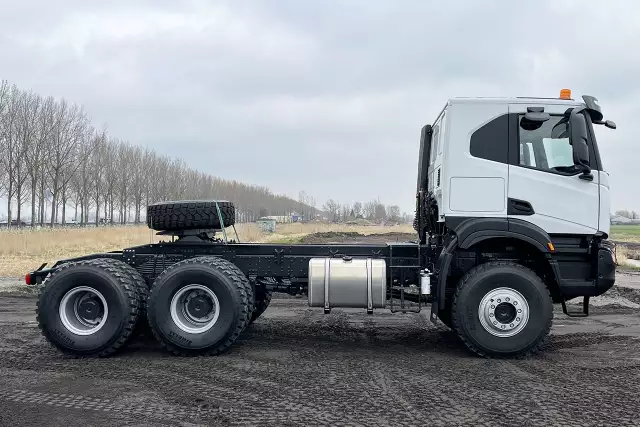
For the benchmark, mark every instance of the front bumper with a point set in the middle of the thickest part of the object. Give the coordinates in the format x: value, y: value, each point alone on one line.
x: 598, y: 266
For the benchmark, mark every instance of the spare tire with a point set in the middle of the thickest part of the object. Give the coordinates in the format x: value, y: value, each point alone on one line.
x: 190, y: 214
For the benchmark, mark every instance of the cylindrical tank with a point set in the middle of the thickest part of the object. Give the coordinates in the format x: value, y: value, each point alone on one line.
x: 347, y: 282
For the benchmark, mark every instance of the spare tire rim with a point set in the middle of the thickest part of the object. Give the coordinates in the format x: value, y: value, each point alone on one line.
x: 503, y: 312
x: 195, y: 309
x: 83, y: 310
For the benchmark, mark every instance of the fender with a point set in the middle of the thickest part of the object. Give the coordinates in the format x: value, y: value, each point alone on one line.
x: 470, y: 231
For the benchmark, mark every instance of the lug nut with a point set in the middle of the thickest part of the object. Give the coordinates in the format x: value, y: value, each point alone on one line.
x: 519, y: 311
x: 499, y: 300
x: 515, y: 303
x: 511, y: 325
x: 493, y: 306
x: 506, y: 299
x: 517, y: 319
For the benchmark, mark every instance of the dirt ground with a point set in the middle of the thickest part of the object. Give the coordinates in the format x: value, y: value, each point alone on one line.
x: 297, y: 366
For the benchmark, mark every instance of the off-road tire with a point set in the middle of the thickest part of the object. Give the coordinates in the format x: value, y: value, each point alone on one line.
x: 189, y: 215
x: 477, y: 283
x: 231, y: 287
x: 260, y: 305
x: 142, y: 326
x: 113, y: 278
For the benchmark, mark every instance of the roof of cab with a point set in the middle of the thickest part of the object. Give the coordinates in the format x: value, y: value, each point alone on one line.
x: 518, y: 100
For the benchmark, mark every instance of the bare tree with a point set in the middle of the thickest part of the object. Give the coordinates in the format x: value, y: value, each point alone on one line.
x: 137, y: 181
x: 51, y: 159
x: 393, y: 213
x: 10, y: 145
x: 346, y: 213
x: 4, y: 101
x: 97, y: 168
x: 66, y: 136
x: 380, y: 213
x: 333, y: 210
x: 369, y: 209
x: 357, y: 209
x: 34, y: 154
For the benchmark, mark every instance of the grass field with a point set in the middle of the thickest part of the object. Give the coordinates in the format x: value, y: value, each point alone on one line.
x: 25, y: 250
x: 626, y: 233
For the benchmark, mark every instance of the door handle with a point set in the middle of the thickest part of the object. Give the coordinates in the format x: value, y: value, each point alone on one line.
x: 519, y: 207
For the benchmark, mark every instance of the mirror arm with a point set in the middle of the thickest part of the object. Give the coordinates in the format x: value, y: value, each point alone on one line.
x: 587, y: 176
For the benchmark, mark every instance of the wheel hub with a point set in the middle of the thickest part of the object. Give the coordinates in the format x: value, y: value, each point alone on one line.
x: 503, y: 312
x: 89, y: 309
x: 199, y: 306
x: 195, y: 308
x: 83, y: 310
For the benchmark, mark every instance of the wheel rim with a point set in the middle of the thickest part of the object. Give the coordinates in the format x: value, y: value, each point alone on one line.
x: 83, y: 310
x: 503, y: 312
x: 195, y: 309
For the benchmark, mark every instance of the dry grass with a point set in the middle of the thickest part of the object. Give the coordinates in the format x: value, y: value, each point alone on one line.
x: 25, y: 250
x: 627, y: 257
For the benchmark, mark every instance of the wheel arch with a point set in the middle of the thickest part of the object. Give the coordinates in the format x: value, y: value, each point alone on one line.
x: 480, y: 233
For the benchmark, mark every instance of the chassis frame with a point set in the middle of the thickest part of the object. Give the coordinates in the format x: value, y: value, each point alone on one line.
x: 288, y: 264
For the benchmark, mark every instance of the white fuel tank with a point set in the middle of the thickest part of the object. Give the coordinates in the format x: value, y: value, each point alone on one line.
x: 347, y: 282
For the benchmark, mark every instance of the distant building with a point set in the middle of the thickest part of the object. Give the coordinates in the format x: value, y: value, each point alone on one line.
x: 620, y: 220
x: 285, y: 219
x: 267, y: 225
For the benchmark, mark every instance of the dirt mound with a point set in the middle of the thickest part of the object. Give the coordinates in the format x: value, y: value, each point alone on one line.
x: 353, y: 237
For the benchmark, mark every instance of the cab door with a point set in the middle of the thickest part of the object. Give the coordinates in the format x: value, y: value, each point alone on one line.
x: 543, y: 187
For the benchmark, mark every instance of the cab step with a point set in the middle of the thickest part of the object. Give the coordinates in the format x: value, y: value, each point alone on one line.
x: 583, y: 313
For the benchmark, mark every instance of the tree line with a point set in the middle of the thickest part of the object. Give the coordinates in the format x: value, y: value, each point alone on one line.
x: 54, y: 164
x: 373, y: 210
x: 627, y: 214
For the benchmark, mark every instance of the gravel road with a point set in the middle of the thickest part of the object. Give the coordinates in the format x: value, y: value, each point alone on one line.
x: 296, y: 366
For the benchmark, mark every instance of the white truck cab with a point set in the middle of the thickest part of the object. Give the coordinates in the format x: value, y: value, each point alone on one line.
x: 517, y: 180
x: 488, y: 160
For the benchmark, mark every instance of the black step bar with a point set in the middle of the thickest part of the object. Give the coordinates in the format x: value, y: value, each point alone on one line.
x: 583, y: 313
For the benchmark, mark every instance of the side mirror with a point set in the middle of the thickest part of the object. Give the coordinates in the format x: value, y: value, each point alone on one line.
x: 578, y: 139
x: 610, y: 124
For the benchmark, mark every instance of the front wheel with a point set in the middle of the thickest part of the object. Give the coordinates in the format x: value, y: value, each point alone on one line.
x: 502, y: 309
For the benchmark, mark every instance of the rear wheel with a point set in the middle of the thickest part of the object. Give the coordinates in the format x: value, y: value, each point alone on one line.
x: 199, y: 306
x: 502, y: 309
x: 89, y: 308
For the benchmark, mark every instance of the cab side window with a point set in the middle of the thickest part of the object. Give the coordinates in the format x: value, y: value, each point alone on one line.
x: 545, y: 146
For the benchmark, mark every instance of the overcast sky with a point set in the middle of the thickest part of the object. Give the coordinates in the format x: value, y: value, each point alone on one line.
x: 323, y: 96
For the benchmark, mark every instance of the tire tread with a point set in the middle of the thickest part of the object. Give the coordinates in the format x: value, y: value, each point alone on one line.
x: 245, y: 291
x: 122, y: 272
x: 186, y: 215
x: 456, y: 322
